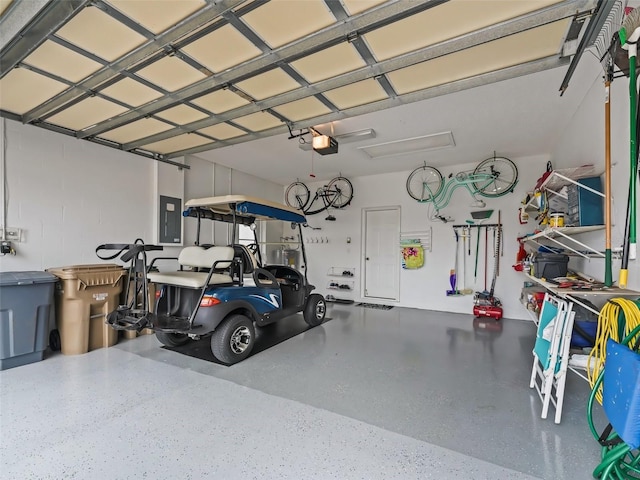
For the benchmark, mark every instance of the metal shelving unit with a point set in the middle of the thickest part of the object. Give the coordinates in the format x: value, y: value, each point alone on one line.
x: 563, y: 236
x: 574, y: 295
x: 341, y: 280
x: 559, y: 178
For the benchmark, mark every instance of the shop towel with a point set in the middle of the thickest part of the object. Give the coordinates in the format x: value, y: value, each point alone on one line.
x: 412, y: 256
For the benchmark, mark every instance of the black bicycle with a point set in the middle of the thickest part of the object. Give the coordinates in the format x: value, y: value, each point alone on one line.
x: 338, y: 193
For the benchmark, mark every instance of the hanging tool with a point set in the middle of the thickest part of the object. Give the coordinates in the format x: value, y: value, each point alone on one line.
x: 608, y: 276
x: 453, y: 279
x: 607, y: 47
x: 466, y: 233
x: 475, y: 273
x: 629, y: 35
x: 486, y: 256
x: 499, y: 245
x: 485, y: 303
x: 496, y: 259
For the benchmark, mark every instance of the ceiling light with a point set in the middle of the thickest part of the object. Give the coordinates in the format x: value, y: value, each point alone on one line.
x: 350, y: 137
x: 324, y: 144
x: 410, y: 145
x: 321, y: 141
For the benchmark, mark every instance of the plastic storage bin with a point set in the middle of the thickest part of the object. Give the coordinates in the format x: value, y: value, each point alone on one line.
x: 585, y: 207
x: 550, y: 265
x: 26, y: 307
x: 85, y: 296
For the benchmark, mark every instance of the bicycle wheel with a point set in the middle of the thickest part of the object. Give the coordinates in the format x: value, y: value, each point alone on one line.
x: 425, y: 183
x: 501, y: 177
x: 297, y: 195
x: 339, y: 192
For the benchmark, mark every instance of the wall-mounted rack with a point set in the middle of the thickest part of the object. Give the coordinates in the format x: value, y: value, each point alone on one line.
x: 562, y: 236
x: 558, y: 179
x: 472, y: 225
x: 345, y: 272
x: 423, y: 237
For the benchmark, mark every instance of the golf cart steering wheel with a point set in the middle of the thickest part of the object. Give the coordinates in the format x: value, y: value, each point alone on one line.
x: 253, y: 248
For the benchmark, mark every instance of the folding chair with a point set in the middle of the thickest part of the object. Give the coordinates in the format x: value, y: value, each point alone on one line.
x: 620, y: 440
x: 551, y: 353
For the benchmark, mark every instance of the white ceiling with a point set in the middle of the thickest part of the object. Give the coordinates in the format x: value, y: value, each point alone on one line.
x: 518, y: 117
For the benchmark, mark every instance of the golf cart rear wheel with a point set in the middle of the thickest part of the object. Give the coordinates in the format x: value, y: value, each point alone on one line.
x: 233, y: 340
x: 172, y: 339
x: 315, y: 310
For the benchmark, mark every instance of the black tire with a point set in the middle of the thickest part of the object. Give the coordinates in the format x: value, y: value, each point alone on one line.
x: 297, y: 195
x: 425, y: 183
x: 315, y: 310
x: 233, y: 340
x: 504, y: 175
x: 172, y: 339
x: 340, y: 192
x: 54, y: 340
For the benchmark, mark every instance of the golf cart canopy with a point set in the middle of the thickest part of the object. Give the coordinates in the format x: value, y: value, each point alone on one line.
x: 241, y: 209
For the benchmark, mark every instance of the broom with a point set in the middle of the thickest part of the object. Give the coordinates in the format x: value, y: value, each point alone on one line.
x: 629, y: 34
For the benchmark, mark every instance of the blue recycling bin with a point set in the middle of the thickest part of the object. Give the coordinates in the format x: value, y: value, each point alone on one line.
x: 26, y: 308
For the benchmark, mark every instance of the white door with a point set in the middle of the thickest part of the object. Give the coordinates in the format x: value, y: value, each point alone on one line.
x: 381, y: 253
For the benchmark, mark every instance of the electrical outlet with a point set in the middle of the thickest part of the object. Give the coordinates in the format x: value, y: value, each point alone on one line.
x: 12, y: 234
x: 5, y: 248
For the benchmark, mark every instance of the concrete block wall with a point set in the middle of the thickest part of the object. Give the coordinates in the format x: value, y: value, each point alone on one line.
x: 69, y: 196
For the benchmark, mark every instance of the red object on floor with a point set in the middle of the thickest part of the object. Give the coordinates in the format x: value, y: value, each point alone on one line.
x: 487, y: 311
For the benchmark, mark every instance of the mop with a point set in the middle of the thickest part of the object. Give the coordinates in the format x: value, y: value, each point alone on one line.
x: 453, y: 274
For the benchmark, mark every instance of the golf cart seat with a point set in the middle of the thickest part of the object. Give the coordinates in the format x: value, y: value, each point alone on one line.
x: 200, y: 261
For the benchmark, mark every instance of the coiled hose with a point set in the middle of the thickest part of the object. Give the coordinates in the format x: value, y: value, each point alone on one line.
x: 618, y: 317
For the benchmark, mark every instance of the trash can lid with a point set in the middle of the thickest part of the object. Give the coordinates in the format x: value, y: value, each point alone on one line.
x: 8, y: 279
x: 71, y: 272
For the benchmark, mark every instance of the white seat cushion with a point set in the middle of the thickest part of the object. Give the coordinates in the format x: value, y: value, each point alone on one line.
x: 188, y: 279
x: 197, y: 257
x: 205, y: 258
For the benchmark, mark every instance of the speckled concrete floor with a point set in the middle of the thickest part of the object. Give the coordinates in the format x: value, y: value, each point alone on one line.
x: 372, y: 394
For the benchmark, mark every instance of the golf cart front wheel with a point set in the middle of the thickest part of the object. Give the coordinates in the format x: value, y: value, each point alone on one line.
x: 315, y: 310
x: 233, y: 340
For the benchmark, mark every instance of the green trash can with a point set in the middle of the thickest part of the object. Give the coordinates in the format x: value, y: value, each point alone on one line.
x: 26, y: 308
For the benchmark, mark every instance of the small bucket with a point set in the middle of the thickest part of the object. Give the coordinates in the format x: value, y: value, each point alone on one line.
x: 556, y: 220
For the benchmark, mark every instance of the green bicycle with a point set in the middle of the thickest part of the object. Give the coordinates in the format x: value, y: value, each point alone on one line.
x: 493, y: 177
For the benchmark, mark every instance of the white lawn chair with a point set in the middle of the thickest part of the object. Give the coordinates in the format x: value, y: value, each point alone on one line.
x: 551, y: 353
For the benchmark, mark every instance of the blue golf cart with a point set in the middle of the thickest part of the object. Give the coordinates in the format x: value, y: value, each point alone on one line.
x: 218, y: 291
